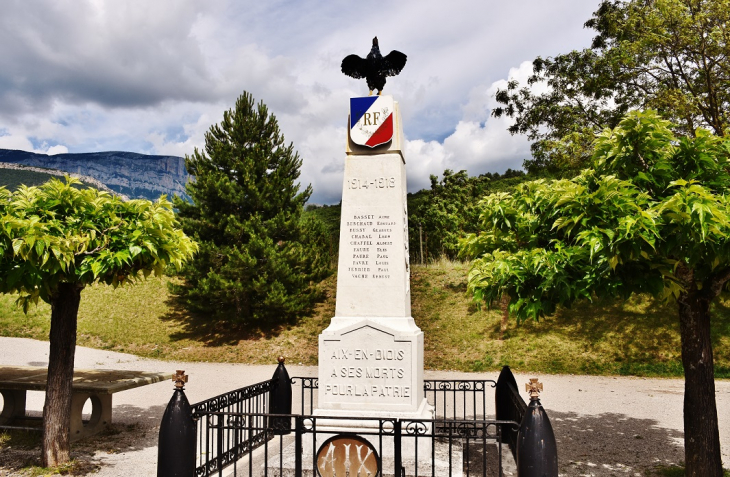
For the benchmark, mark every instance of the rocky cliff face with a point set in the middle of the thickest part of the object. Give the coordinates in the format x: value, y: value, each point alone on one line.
x: 134, y: 175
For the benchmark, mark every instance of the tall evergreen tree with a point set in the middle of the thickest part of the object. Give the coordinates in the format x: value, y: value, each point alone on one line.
x: 256, y: 261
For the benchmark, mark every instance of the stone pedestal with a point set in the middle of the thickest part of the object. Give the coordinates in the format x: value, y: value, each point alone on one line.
x: 371, y: 355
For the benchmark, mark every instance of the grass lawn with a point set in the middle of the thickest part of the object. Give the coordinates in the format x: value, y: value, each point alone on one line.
x: 144, y: 319
x: 639, y: 337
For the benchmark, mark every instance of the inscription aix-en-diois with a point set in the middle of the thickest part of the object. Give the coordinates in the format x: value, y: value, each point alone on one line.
x: 374, y: 373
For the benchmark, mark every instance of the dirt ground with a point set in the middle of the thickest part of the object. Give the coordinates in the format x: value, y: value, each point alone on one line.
x: 604, y: 425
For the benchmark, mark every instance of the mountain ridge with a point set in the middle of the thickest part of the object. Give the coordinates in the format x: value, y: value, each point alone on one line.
x: 128, y: 173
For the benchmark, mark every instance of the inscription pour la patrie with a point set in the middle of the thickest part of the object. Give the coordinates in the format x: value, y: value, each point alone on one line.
x: 371, y: 236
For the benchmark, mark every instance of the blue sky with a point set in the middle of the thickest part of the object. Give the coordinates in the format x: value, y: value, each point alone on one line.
x: 151, y: 77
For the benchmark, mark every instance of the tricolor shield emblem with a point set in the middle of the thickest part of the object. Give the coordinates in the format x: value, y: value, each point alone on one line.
x: 371, y: 120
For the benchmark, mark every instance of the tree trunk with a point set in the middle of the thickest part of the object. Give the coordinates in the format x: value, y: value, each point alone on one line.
x: 701, y: 434
x: 57, y: 408
x: 504, y: 304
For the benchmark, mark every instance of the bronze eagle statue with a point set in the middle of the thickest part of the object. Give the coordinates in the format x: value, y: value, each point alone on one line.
x: 375, y: 67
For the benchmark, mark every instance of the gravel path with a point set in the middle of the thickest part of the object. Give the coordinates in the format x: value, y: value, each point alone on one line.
x: 604, y: 425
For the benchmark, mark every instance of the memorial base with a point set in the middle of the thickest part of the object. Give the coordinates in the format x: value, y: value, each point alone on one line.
x: 425, y: 412
x: 371, y: 367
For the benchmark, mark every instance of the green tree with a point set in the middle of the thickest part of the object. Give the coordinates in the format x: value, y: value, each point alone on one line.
x: 668, y: 55
x: 650, y: 217
x: 323, y: 228
x: 55, y: 240
x: 256, y: 263
x: 442, y: 215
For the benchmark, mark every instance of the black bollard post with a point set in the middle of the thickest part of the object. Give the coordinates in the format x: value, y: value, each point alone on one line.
x: 537, y: 451
x: 505, y: 405
x: 280, y: 400
x: 176, y: 445
x: 503, y: 402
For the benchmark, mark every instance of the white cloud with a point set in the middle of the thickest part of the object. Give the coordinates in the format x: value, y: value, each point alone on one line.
x: 57, y: 149
x: 21, y: 142
x: 12, y: 141
x: 479, y: 143
x: 152, y: 77
x: 473, y: 147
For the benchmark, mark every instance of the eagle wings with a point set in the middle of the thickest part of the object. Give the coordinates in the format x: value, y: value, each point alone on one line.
x: 375, y: 67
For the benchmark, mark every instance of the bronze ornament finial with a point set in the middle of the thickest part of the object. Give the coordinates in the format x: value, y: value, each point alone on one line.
x: 281, y: 359
x: 180, y: 378
x: 534, y: 387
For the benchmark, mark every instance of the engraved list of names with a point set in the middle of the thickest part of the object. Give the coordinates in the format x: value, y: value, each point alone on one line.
x: 373, y: 263
x: 371, y: 244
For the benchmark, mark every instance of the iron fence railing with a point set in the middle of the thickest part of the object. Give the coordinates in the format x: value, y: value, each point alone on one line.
x: 458, y: 399
x: 509, y: 405
x: 269, y: 429
x: 215, y: 449
x: 418, y: 447
x: 306, y: 388
x: 451, y: 399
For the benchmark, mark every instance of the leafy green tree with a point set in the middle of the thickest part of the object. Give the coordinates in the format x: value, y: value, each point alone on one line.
x: 442, y: 215
x: 668, y: 55
x: 55, y: 240
x: 256, y: 263
x: 652, y: 216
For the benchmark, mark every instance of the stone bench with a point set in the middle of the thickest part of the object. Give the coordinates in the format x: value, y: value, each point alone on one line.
x: 96, y: 385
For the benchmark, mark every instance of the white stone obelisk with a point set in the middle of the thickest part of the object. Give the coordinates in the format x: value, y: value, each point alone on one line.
x: 371, y: 355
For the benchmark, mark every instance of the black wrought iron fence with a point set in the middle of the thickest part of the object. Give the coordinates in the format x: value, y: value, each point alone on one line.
x: 414, y: 447
x: 306, y: 388
x: 254, y: 430
x: 451, y: 399
x: 458, y: 399
x: 509, y: 405
x: 217, y: 447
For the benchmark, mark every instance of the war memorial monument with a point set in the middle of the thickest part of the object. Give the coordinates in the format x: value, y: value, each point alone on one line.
x: 372, y: 414
x: 371, y: 355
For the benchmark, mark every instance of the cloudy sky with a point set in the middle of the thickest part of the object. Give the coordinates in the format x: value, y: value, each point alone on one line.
x: 152, y: 76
